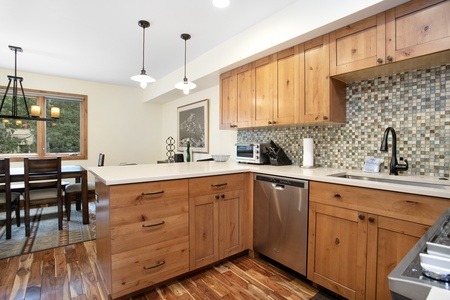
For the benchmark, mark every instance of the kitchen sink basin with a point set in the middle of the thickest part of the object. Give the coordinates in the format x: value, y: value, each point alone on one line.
x: 393, y: 180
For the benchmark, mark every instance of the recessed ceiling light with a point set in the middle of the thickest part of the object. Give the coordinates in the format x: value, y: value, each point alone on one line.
x: 221, y: 3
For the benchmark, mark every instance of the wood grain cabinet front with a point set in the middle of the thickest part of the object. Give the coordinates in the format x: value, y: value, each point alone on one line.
x: 415, y: 29
x: 218, y: 218
x: 142, y: 234
x: 358, y: 235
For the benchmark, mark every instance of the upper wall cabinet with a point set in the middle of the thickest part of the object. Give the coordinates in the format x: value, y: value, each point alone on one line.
x: 358, y: 46
x: 236, y: 98
x: 321, y: 98
x: 418, y: 28
x: 275, y: 102
x: 413, y: 30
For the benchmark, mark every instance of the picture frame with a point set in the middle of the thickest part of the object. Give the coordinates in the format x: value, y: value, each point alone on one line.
x: 193, y: 126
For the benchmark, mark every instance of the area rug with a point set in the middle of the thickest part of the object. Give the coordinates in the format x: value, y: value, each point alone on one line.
x: 44, y: 231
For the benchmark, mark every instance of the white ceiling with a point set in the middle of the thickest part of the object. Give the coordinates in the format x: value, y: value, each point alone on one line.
x: 100, y: 41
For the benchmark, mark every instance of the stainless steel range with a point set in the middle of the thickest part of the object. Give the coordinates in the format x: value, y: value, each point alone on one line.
x: 426, y: 267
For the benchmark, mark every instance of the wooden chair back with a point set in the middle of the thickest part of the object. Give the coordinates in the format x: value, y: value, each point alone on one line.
x: 8, y: 199
x: 43, y: 173
x: 5, y: 184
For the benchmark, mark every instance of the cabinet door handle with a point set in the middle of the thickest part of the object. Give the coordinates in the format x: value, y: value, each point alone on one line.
x: 337, y: 241
x: 158, y: 264
x: 379, y: 60
x: 270, y: 123
x: 153, y: 225
x: 149, y: 194
x: 337, y: 196
x: 389, y: 58
x: 361, y: 217
x: 217, y: 197
x: 274, y: 122
x: 218, y: 185
x: 222, y: 196
x: 371, y: 219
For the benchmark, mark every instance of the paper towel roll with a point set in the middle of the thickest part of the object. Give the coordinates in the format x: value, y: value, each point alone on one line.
x: 308, y: 152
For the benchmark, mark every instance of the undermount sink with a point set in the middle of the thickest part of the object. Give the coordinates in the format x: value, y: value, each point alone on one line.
x: 392, y: 180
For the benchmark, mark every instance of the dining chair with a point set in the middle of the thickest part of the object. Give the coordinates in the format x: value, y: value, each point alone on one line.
x: 9, y: 201
x: 73, y: 191
x: 42, y: 186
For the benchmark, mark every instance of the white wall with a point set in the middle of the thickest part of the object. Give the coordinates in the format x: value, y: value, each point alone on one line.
x: 220, y: 141
x: 120, y: 124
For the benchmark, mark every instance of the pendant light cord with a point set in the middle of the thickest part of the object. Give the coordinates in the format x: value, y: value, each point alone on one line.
x: 143, y: 48
x: 185, y: 58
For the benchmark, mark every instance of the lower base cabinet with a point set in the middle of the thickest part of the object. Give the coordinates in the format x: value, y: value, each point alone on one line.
x: 151, y: 232
x: 357, y: 236
x: 217, y: 227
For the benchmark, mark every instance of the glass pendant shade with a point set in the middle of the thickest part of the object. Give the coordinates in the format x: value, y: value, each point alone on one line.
x: 185, y: 85
x: 221, y: 3
x: 143, y: 78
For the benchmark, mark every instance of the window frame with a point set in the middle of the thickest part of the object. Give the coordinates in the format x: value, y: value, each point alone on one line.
x: 41, y: 128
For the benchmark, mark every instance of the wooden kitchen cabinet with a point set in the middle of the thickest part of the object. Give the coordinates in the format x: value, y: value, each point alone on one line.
x: 276, y: 102
x: 322, y: 99
x: 236, y: 97
x: 411, y: 30
x: 418, y: 28
x: 358, y: 235
x: 218, y: 218
x: 360, y: 45
x: 142, y: 234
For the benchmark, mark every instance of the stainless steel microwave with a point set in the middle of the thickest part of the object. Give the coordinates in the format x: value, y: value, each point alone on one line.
x: 252, y: 153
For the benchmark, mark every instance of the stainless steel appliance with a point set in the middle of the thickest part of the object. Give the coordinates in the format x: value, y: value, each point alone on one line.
x: 280, y: 227
x: 413, y: 278
x: 252, y: 153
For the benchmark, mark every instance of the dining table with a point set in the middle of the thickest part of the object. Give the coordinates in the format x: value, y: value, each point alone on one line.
x: 76, y: 172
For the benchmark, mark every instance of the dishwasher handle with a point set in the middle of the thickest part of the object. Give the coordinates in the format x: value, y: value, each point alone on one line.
x: 277, y: 186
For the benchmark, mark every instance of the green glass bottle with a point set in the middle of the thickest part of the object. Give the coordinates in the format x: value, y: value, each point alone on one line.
x: 188, y: 152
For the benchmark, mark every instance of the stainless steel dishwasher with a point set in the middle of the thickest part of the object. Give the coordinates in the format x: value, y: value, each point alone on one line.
x: 280, y: 220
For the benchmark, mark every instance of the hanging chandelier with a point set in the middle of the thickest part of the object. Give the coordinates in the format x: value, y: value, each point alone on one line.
x: 35, y: 113
x: 185, y: 85
x: 143, y: 78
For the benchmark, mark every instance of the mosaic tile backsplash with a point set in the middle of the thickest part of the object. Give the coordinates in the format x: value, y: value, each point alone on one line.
x: 416, y: 104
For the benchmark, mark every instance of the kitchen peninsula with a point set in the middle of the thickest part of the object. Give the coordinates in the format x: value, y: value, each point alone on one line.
x: 158, y: 221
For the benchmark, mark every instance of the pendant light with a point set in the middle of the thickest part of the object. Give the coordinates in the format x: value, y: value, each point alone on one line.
x: 35, y: 109
x: 185, y: 85
x: 143, y: 78
x: 221, y: 3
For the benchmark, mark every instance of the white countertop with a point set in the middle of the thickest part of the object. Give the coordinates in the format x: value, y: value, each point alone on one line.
x: 114, y: 175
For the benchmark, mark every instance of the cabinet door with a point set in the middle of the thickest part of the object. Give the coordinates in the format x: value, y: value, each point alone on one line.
x: 265, y: 90
x: 228, y: 100
x: 245, y: 95
x: 203, y: 231
x: 322, y: 98
x: 337, y: 249
x: 231, y: 223
x: 358, y: 46
x: 418, y: 28
x: 389, y: 240
x: 286, y: 110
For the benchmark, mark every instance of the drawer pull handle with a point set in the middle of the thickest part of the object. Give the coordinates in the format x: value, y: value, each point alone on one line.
x: 411, y: 202
x: 337, y: 196
x: 153, y: 225
x: 149, y: 194
x: 218, y: 185
x: 158, y: 264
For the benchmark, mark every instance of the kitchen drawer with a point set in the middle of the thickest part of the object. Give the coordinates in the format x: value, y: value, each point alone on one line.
x: 134, y: 195
x: 145, y: 266
x: 410, y: 207
x: 212, y: 184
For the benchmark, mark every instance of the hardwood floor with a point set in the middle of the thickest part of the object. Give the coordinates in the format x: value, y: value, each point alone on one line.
x: 70, y: 273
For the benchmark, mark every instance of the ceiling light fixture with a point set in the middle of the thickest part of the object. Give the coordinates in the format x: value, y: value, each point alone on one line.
x: 221, y: 3
x: 143, y: 78
x: 185, y: 85
x: 35, y: 109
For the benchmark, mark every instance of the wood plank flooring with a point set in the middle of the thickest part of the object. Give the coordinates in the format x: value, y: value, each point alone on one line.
x: 70, y: 273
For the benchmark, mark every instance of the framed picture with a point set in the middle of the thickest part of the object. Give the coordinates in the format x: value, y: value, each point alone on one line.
x: 193, y: 126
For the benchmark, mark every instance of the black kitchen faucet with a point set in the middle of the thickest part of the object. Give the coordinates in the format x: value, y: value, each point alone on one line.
x: 394, y: 166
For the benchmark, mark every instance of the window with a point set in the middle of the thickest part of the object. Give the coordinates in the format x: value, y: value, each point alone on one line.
x: 66, y: 137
